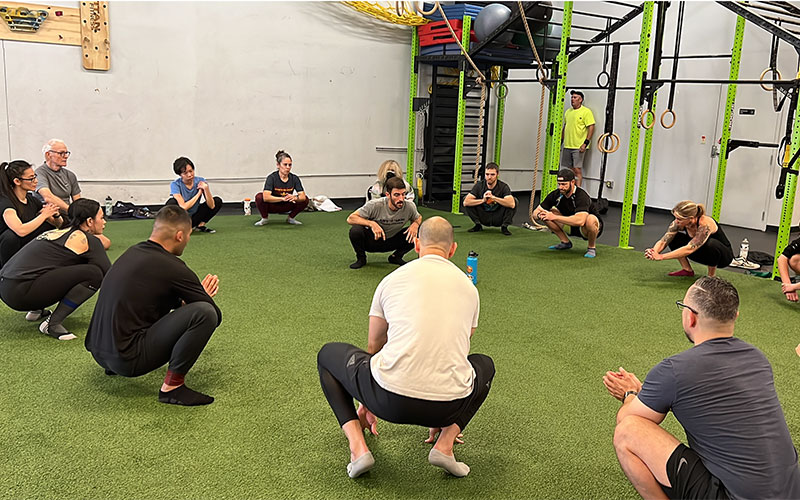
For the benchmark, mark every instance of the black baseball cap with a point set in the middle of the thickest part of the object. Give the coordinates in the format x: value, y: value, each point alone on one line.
x: 576, y: 92
x: 565, y: 175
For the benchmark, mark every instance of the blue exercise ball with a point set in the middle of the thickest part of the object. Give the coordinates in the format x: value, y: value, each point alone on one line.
x: 489, y: 19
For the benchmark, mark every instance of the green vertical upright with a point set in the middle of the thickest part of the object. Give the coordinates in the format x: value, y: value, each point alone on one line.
x: 648, y: 147
x: 547, y: 143
x: 462, y: 112
x: 787, y: 208
x: 502, y: 92
x: 633, y: 144
x: 412, y: 116
x: 722, y: 162
x: 557, y: 112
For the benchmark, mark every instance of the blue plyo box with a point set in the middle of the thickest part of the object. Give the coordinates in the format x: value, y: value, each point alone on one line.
x: 457, y: 11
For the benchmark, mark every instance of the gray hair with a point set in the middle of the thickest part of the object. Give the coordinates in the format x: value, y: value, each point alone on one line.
x: 49, y: 145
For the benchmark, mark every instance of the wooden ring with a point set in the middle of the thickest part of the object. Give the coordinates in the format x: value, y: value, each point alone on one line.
x: 644, y: 115
x: 421, y: 10
x: 674, y: 118
x: 774, y: 73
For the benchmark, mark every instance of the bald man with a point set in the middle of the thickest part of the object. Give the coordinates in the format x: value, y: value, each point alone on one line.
x: 417, y: 368
x: 152, y: 310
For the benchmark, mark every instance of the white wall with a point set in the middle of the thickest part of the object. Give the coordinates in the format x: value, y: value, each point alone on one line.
x: 226, y: 84
x: 681, y: 166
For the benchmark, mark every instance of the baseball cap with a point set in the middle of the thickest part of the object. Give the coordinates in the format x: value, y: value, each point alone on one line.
x: 576, y: 92
x: 565, y: 175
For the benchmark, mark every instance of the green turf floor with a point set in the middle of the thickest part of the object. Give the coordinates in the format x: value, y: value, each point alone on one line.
x: 554, y: 322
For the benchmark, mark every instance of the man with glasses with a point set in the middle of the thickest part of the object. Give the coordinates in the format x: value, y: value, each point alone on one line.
x: 57, y: 184
x: 722, y: 393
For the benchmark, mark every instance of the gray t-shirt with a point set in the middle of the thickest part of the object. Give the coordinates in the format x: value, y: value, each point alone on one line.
x: 63, y: 184
x: 722, y: 393
x: 391, y: 222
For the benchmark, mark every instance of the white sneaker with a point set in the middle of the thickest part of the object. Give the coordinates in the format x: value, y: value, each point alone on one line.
x: 744, y: 264
x: 296, y: 222
x: 262, y: 222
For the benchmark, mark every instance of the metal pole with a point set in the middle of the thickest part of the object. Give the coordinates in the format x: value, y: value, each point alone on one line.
x: 787, y: 208
x: 722, y: 162
x: 502, y: 91
x: 462, y: 110
x: 633, y: 148
x: 412, y: 116
x: 648, y: 135
x: 548, y: 179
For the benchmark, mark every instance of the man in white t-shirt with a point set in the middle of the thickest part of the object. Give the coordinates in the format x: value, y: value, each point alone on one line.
x: 417, y: 368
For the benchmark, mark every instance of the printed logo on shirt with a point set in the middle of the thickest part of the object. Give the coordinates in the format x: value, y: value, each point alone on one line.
x: 53, y: 234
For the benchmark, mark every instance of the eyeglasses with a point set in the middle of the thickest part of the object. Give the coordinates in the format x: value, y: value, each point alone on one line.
x: 29, y: 179
x: 63, y: 154
x: 682, y: 306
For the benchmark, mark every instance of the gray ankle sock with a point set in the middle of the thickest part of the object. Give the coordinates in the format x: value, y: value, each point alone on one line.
x: 448, y: 463
x: 361, y: 465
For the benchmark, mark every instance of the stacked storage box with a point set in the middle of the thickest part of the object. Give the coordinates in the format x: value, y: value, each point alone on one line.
x: 435, y: 38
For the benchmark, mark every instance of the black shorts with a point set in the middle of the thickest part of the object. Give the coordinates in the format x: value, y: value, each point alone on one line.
x: 690, y: 478
x: 576, y: 231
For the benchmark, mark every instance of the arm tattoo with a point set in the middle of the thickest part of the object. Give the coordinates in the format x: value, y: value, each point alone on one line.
x: 672, y: 230
x: 700, y: 238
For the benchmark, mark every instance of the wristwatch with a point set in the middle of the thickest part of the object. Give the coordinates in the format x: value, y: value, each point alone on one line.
x: 586, y: 142
x: 628, y: 393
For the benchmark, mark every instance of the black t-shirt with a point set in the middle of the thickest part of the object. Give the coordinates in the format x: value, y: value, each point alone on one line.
x: 501, y: 190
x: 143, y: 286
x: 792, y: 249
x: 29, y: 211
x: 47, y: 252
x: 580, y: 201
x: 278, y: 188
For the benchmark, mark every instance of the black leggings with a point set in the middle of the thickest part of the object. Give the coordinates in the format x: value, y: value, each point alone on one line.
x: 203, y: 214
x: 49, y: 288
x: 501, y: 216
x: 713, y: 252
x: 10, y: 242
x: 177, y: 338
x: 363, y: 240
x: 344, y: 373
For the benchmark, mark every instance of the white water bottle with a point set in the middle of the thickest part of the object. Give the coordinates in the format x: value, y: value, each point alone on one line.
x: 744, y: 249
x: 247, y: 210
x: 109, y: 206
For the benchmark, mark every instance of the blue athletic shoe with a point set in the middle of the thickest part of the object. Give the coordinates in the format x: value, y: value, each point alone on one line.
x: 561, y: 246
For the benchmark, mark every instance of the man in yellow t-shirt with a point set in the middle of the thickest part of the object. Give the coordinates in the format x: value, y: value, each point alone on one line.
x: 577, y: 135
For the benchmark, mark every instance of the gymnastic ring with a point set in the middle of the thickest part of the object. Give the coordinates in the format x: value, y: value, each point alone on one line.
x: 601, y: 142
x: 764, y: 73
x: 430, y: 89
x: 674, y: 118
x: 421, y: 10
x: 642, y: 119
x: 501, y: 91
x: 608, y: 79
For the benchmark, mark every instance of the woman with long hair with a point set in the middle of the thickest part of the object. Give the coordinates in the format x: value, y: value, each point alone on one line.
x: 24, y: 217
x: 64, y: 266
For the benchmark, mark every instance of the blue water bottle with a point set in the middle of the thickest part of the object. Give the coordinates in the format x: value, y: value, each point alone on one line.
x: 472, y: 266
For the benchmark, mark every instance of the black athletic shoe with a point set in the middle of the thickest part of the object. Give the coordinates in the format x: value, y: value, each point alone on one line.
x: 185, y: 397
x: 394, y: 259
x: 359, y: 263
x: 204, y: 229
x: 475, y: 228
x: 505, y: 231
